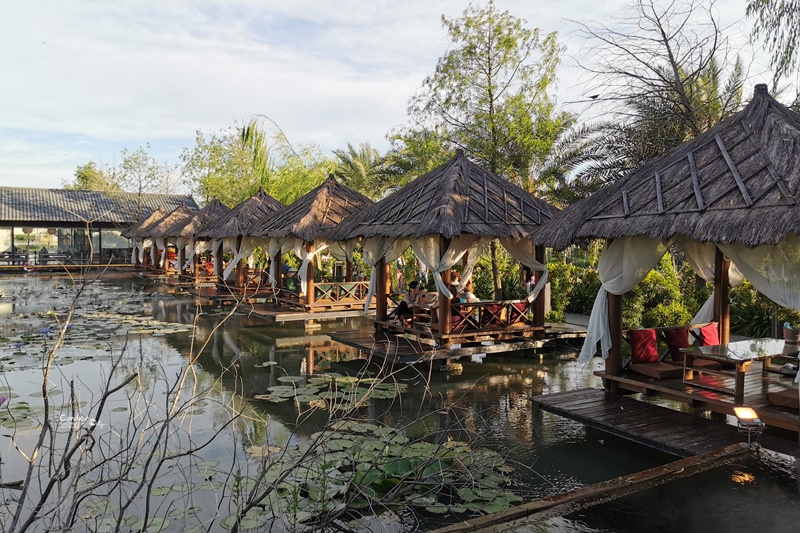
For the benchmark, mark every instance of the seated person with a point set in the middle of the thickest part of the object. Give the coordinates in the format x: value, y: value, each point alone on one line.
x: 414, y: 296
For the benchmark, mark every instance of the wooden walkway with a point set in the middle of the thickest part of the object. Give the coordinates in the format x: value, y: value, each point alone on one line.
x: 670, y: 431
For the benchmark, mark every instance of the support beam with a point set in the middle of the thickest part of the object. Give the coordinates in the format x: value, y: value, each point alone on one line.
x: 382, y: 277
x: 217, y: 251
x: 538, y: 305
x: 309, y: 295
x: 444, y: 311
x: 277, y: 283
x: 348, y: 272
x: 240, y: 266
x: 722, y: 301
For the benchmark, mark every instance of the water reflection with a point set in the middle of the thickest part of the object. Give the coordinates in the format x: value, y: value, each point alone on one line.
x: 238, y: 357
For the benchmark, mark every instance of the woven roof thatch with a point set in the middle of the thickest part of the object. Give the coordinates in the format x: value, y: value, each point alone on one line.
x: 142, y: 229
x: 458, y: 197
x: 315, y: 214
x: 242, y: 218
x: 176, y: 219
x: 198, y: 219
x: 736, y: 183
x: 74, y: 208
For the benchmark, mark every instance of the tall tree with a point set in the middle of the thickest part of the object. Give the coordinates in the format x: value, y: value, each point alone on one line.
x: 220, y: 166
x: 286, y: 172
x: 488, y: 94
x: 91, y: 177
x: 777, y: 24
x: 663, y: 73
x: 362, y: 169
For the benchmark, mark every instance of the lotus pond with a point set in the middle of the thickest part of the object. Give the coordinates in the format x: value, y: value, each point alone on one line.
x: 226, y: 421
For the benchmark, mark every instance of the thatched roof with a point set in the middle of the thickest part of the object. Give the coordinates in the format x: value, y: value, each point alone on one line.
x: 736, y: 183
x: 457, y: 198
x: 242, y: 218
x: 142, y: 229
x: 314, y: 215
x: 198, y: 219
x: 176, y: 219
x: 24, y: 206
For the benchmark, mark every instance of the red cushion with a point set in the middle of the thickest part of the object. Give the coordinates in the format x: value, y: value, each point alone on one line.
x: 709, y: 335
x: 644, y: 348
x: 676, y: 338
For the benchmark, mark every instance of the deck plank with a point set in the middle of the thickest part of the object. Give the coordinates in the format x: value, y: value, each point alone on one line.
x: 682, y: 434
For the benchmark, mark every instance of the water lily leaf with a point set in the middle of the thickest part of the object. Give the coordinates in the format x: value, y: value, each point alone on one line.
x: 291, y: 379
x: 262, y: 451
x: 157, y: 524
x: 161, y: 491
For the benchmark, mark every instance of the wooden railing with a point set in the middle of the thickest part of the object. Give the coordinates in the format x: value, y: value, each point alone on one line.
x: 472, y: 317
x: 335, y: 291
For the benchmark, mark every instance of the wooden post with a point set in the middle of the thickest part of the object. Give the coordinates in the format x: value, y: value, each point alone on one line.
x: 348, y: 272
x: 218, y: 263
x: 310, y: 276
x: 538, y: 306
x: 722, y: 303
x: 196, y: 264
x: 239, y: 266
x: 276, y: 260
x: 181, y: 260
x: 614, y: 359
x: 381, y: 278
x: 445, y: 308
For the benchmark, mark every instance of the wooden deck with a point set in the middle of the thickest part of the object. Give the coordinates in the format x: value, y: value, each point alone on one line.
x: 407, y: 349
x: 756, y: 386
x: 668, y: 430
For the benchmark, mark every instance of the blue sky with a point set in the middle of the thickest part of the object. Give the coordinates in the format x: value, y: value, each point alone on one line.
x: 83, y: 79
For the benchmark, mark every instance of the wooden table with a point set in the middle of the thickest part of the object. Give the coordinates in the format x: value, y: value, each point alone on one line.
x: 741, y: 354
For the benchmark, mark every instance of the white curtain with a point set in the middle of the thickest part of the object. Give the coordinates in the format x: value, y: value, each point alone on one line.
x: 375, y: 249
x: 241, y: 251
x: 474, y: 252
x: 702, y: 259
x: 275, y: 246
x: 429, y: 253
x: 773, y: 270
x: 161, y: 244
x: 306, y: 257
x: 343, y: 251
x: 622, y: 265
x: 524, y: 251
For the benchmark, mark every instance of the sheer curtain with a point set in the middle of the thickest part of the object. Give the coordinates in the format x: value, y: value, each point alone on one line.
x: 623, y: 264
x: 240, y: 251
x: 773, y: 270
x: 524, y: 251
x: 306, y: 257
x: 375, y: 249
x: 161, y: 244
x: 702, y: 259
x: 429, y: 253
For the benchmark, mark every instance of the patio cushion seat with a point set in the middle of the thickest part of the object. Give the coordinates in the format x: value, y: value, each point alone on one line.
x: 786, y: 398
x: 657, y: 370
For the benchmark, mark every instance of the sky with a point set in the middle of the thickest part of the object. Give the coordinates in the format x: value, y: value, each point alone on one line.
x: 82, y: 80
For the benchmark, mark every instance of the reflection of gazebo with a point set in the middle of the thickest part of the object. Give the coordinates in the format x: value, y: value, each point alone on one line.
x: 449, y: 216
x: 233, y: 231
x: 304, y: 227
x: 184, y: 233
x: 726, y: 198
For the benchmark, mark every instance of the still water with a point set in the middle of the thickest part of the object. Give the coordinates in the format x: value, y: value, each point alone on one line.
x: 229, y: 364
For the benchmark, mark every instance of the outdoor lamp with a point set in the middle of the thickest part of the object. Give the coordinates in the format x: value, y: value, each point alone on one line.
x: 748, y: 422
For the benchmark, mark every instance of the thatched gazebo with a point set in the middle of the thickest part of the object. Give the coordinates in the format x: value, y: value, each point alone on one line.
x: 184, y: 233
x: 161, y: 231
x: 305, y: 227
x: 727, y: 196
x: 449, y: 214
x: 233, y: 231
x: 140, y: 233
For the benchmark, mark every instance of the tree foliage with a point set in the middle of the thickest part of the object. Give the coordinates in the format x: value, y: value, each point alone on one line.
x: 488, y: 94
x: 777, y: 24
x: 664, y: 73
x: 90, y: 177
x: 220, y: 166
x: 362, y: 169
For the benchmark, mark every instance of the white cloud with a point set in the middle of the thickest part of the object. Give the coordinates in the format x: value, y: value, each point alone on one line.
x: 83, y: 79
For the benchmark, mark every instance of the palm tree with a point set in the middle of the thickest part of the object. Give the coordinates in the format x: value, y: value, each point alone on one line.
x: 361, y: 169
